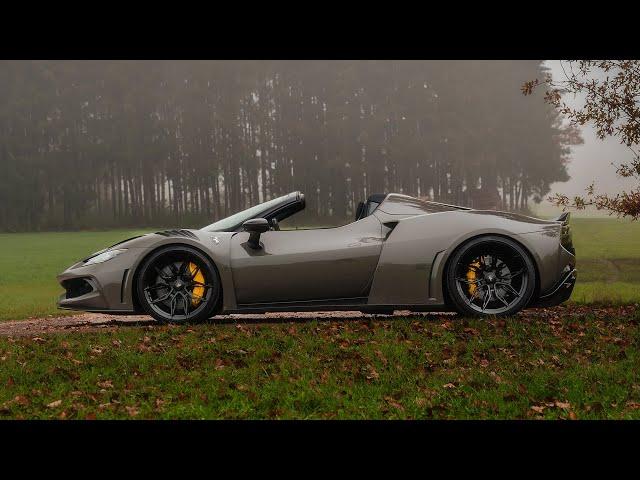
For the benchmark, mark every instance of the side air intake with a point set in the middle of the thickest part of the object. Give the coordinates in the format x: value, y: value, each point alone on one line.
x: 177, y: 233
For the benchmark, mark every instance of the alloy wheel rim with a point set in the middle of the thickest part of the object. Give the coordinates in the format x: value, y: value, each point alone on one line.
x: 177, y: 287
x: 491, y: 278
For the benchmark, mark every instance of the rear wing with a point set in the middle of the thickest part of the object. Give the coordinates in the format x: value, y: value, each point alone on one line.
x: 563, y: 218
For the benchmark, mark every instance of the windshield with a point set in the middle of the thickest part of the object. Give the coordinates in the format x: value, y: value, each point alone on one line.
x: 239, y: 218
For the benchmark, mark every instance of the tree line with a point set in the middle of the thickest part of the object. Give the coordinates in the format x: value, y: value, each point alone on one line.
x: 87, y: 144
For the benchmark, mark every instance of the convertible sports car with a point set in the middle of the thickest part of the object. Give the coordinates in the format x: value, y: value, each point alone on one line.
x: 398, y: 253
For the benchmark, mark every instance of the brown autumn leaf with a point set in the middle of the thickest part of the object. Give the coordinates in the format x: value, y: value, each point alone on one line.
x: 54, y: 404
x: 21, y: 400
x: 90, y: 416
x: 372, y: 374
x: 106, y: 384
x: 132, y: 411
x: 563, y: 405
x: 381, y: 357
x: 391, y: 401
x: 449, y: 385
x: 572, y: 415
x: 538, y: 408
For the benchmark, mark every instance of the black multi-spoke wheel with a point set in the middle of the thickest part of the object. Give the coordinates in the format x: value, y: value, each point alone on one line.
x: 490, y: 276
x: 178, y: 284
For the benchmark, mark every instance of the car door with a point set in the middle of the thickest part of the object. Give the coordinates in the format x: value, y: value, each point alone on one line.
x: 301, y: 265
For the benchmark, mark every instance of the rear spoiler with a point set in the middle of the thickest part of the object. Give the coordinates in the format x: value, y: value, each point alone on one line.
x: 564, y: 218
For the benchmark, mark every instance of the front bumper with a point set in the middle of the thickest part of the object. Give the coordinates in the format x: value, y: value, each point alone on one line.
x: 561, y: 292
x: 103, y: 287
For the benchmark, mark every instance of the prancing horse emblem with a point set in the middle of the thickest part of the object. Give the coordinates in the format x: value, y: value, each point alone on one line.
x: 216, y: 240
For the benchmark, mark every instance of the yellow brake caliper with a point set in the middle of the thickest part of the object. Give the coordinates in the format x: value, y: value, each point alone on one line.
x: 471, y: 276
x: 198, y: 290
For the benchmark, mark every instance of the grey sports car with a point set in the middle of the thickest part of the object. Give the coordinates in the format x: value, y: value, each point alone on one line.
x: 399, y: 252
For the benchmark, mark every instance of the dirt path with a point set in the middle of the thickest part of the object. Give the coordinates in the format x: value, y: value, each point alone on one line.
x: 99, y: 322
x: 88, y: 322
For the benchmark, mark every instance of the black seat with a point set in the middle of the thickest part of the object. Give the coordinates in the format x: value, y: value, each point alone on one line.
x: 366, y: 209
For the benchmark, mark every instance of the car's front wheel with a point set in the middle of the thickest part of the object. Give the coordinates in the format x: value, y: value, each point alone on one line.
x: 490, y: 275
x: 178, y: 284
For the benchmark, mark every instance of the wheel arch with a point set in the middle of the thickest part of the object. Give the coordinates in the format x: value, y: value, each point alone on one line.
x: 134, y: 278
x: 463, y: 243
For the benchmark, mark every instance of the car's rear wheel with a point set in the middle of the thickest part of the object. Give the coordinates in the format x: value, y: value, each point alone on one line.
x: 178, y: 284
x: 490, y: 275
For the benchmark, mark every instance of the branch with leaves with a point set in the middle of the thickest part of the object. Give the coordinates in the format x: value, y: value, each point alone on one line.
x: 611, y: 90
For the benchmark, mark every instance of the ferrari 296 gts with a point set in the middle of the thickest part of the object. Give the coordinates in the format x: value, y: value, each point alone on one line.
x: 399, y: 252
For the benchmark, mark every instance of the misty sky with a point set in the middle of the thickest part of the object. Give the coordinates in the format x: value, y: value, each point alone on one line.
x: 592, y: 161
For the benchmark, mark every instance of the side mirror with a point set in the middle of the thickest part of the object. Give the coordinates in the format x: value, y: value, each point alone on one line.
x: 255, y: 227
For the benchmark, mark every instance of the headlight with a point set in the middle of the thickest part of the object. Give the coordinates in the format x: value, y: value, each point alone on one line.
x: 104, y: 256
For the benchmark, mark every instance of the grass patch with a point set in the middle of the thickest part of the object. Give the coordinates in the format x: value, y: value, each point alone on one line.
x: 29, y: 263
x: 614, y: 293
x: 575, y: 366
x: 610, y: 238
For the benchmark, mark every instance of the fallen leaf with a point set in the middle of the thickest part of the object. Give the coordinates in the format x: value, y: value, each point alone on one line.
x: 55, y: 404
x: 563, y: 405
x: 132, y: 411
x: 394, y: 403
x: 449, y: 385
x: 537, y: 409
x: 372, y: 373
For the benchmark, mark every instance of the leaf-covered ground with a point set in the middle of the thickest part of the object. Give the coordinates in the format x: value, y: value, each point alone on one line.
x: 566, y: 362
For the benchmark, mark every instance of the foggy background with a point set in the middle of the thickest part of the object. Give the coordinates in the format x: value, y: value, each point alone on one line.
x: 101, y: 144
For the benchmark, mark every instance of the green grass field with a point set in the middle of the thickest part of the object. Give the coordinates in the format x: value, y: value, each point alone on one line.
x: 579, y: 364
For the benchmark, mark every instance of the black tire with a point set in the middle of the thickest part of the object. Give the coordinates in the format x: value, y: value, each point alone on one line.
x: 490, y: 276
x: 170, y: 291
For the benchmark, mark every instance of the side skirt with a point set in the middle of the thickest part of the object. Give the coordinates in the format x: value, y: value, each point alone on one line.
x: 336, y: 304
